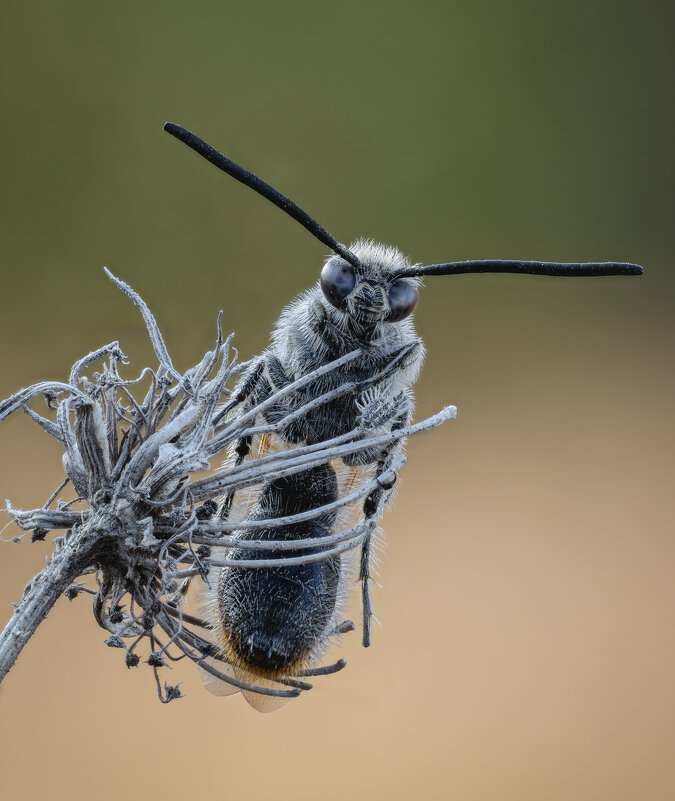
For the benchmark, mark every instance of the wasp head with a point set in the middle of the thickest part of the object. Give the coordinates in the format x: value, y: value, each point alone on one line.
x: 370, y: 293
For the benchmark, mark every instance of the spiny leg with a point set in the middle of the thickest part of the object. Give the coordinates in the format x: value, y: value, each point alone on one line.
x: 372, y: 507
x: 249, y: 383
x: 400, y: 360
x: 254, y: 388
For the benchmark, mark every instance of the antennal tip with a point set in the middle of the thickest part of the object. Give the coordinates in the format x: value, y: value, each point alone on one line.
x: 174, y: 129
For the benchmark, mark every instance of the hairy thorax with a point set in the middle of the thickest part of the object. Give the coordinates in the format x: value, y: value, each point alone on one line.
x: 309, y: 335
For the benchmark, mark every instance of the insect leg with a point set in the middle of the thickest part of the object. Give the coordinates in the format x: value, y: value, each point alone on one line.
x: 254, y: 388
x: 401, y: 360
x: 248, y: 385
x: 276, y: 372
x: 372, y: 507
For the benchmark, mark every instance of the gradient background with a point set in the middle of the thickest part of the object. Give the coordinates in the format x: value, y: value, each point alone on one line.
x: 528, y: 647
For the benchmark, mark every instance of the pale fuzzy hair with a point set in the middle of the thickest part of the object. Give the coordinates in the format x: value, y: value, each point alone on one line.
x: 378, y: 257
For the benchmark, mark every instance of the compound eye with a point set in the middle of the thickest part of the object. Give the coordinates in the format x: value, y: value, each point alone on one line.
x: 402, y: 300
x: 337, y: 281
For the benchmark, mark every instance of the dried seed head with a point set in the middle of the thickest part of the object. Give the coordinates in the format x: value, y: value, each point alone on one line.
x: 143, y: 520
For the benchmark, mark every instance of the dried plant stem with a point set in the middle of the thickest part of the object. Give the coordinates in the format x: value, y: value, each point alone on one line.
x: 42, y: 592
x: 144, y: 516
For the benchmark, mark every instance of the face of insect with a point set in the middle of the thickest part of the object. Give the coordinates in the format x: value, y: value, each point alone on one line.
x: 363, y: 298
x: 370, y: 294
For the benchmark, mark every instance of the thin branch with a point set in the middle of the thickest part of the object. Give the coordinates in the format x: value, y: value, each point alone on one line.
x: 139, y: 531
x: 151, y: 324
x: 42, y: 593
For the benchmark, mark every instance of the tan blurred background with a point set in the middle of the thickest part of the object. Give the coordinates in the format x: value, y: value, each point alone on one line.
x: 527, y: 648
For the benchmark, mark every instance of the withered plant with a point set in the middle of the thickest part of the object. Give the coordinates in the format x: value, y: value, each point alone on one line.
x: 138, y: 500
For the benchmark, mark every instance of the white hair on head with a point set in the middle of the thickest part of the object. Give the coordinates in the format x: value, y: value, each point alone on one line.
x: 375, y: 256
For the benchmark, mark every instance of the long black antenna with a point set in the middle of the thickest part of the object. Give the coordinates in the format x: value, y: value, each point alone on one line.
x: 258, y: 185
x: 569, y: 269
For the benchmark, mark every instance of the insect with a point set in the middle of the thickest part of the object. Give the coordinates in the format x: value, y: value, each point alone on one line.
x: 271, y: 622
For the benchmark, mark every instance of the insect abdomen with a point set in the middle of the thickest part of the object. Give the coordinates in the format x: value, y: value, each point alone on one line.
x: 272, y: 619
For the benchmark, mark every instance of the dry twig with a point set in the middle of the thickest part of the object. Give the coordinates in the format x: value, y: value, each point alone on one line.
x: 135, y: 461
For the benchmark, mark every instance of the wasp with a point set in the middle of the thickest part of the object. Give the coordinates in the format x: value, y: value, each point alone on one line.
x: 272, y: 622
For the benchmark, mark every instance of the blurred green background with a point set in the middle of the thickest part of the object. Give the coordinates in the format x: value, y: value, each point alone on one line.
x: 527, y: 649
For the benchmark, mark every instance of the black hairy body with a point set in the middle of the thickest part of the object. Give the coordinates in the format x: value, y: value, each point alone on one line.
x: 270, y: 619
